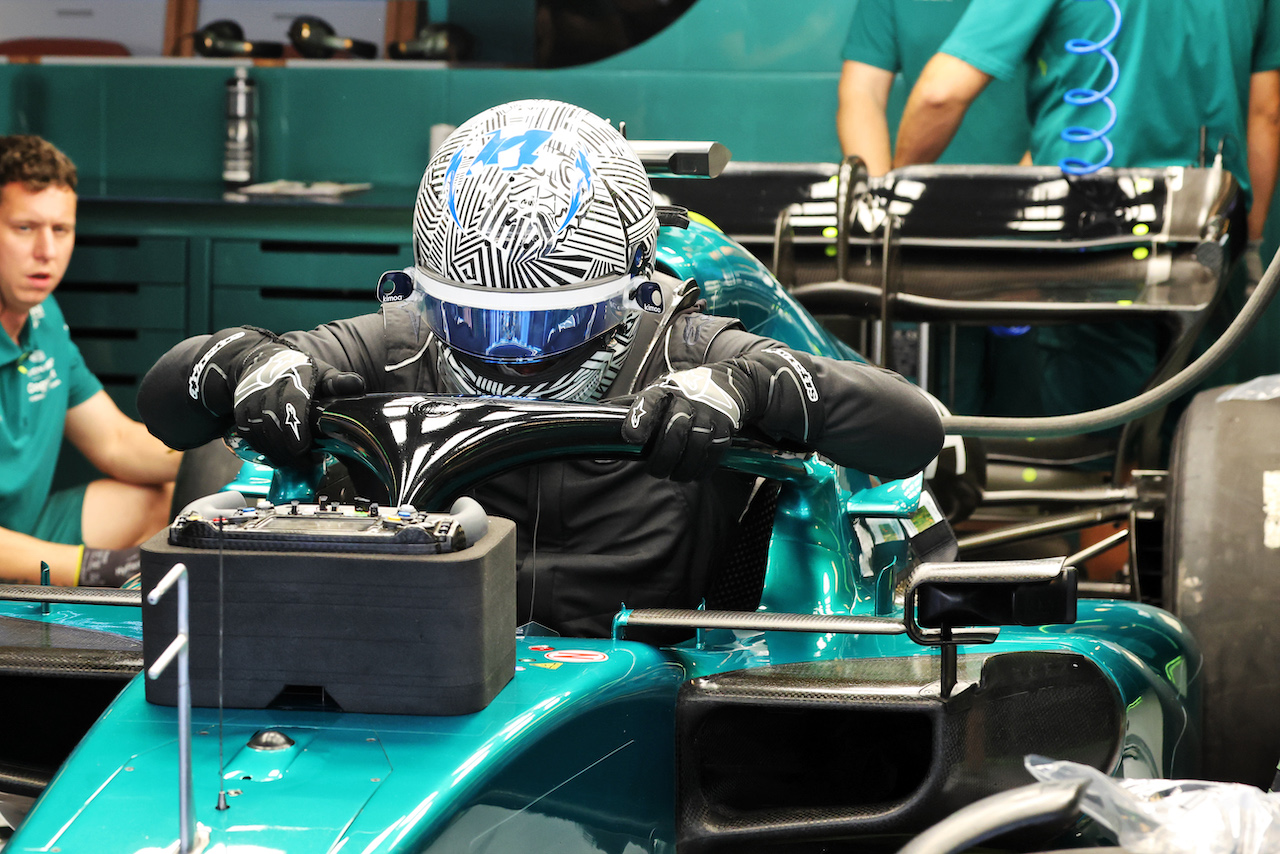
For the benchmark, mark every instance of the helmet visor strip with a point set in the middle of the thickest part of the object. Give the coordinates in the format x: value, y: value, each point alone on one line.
x: 522, y: 325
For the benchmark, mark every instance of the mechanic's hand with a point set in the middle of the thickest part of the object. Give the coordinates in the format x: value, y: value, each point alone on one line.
x: 688, y: 418
x: 108, y: 567
x: 272, y: 405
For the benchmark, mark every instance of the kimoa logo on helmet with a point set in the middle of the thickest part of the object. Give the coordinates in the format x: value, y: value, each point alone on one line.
x: 509, y: 151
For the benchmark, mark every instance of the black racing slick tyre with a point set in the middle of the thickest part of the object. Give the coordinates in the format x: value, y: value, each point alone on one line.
x: 1222, y: 575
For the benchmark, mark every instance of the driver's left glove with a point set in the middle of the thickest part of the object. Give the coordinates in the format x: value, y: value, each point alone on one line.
x: 688, y: 418
x: 246, y: 377
x: 273, y: 403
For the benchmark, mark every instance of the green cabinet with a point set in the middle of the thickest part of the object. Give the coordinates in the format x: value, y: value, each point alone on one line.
x: 283, y: 285
x: 150, y: 270
x: 124, y: 299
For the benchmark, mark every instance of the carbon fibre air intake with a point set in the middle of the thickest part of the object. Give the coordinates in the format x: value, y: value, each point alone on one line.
x: 62, y: 677
x: 25, y: 782
x: 817, y: 752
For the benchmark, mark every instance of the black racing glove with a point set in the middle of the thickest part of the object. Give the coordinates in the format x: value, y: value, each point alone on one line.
x: 272, y: 403
x: 108, y: 567
x: 688, y: 418
x: 273, y: 400
x: 247, y: 377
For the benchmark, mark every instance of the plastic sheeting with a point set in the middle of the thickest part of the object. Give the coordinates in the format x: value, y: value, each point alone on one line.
x: 1173, y: 816
x: 1258, y: 388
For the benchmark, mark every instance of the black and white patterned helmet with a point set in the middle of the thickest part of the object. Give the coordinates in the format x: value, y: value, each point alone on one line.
x: 533, y: 227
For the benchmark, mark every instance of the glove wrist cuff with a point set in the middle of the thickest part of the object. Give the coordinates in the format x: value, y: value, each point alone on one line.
x: 782, y: 384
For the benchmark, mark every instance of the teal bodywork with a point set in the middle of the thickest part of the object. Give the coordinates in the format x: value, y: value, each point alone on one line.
x: 578, y: 756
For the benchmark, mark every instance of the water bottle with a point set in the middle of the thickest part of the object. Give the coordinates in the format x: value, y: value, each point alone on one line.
x: 239, y: 164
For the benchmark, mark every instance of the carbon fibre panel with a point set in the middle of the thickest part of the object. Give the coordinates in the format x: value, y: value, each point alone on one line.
x: 844, y: 749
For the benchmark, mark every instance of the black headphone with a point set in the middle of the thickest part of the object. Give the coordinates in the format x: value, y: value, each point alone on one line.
x: 315, y: 39
x: 226, y: 38
x: 434, y: 41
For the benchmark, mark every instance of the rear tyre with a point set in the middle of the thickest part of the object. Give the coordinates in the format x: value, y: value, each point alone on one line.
x: 1222, y: 575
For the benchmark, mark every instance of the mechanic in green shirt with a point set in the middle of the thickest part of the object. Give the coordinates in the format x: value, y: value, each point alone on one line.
x: 888, y: 44
x: 88, y: 534
x: 888, y: 38
x: 1182, y: 65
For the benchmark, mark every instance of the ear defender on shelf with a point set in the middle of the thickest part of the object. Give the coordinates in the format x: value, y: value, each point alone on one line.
x: 315, y: 39
x: 226, y: 38
x: 434, y: 41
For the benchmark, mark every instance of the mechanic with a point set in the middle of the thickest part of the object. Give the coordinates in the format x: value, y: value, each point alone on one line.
x: 534, y: 240
x: 997, y: 369
x: 1179, y: 68
x: 891, y: 37
x: 87, y: 534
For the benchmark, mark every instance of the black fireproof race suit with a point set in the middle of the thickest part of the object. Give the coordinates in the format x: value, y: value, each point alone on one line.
x: 593, y: 535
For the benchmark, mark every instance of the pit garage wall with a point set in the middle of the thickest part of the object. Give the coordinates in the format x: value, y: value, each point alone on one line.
x: 757, y: 75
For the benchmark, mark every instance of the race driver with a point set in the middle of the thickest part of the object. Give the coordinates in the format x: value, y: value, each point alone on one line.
x: 534, y: 240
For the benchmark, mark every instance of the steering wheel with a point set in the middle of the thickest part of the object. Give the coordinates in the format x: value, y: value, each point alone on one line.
x: 427, y: 449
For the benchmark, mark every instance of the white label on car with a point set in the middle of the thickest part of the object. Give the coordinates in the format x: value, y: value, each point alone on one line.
x: 1271, y: 509
x: 576, y: 656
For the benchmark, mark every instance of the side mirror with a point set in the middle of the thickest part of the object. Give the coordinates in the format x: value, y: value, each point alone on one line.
x: 1015, y: 603
x: 947, y: 604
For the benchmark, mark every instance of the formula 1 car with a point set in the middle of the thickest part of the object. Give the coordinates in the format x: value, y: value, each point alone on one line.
x: 953, y: 248
x: 849, y: 680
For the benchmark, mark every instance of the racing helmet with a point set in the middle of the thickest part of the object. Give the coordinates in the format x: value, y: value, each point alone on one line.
x: 533, y: 228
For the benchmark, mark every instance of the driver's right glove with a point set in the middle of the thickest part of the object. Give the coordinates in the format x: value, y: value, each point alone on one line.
x: 251, y: 378
x: 688, y: 418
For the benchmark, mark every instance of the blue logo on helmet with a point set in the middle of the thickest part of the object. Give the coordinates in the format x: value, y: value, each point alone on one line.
x: 582, y: 185
x: 509, y: 152
x: 526, y: 143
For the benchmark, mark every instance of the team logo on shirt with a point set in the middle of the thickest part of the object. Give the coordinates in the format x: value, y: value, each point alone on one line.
x: 42, y: 376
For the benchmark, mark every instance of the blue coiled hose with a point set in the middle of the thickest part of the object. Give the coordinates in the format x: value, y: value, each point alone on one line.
x: 1081, y: 97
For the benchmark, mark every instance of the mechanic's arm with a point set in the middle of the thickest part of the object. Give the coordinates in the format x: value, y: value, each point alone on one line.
x: 860, y: 117
x: 1263, y: 145
x: 117, y: 445
x: 935, y: 108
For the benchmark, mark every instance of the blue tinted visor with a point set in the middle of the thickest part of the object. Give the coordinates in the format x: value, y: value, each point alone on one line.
x: 522, y: 325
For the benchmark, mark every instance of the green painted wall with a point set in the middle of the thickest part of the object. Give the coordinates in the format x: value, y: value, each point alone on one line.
x: 757, y: 75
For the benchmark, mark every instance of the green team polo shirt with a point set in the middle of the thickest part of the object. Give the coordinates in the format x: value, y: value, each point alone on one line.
x: 1182, y: 63
x: 901, y: 36
x: 39, y: 381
